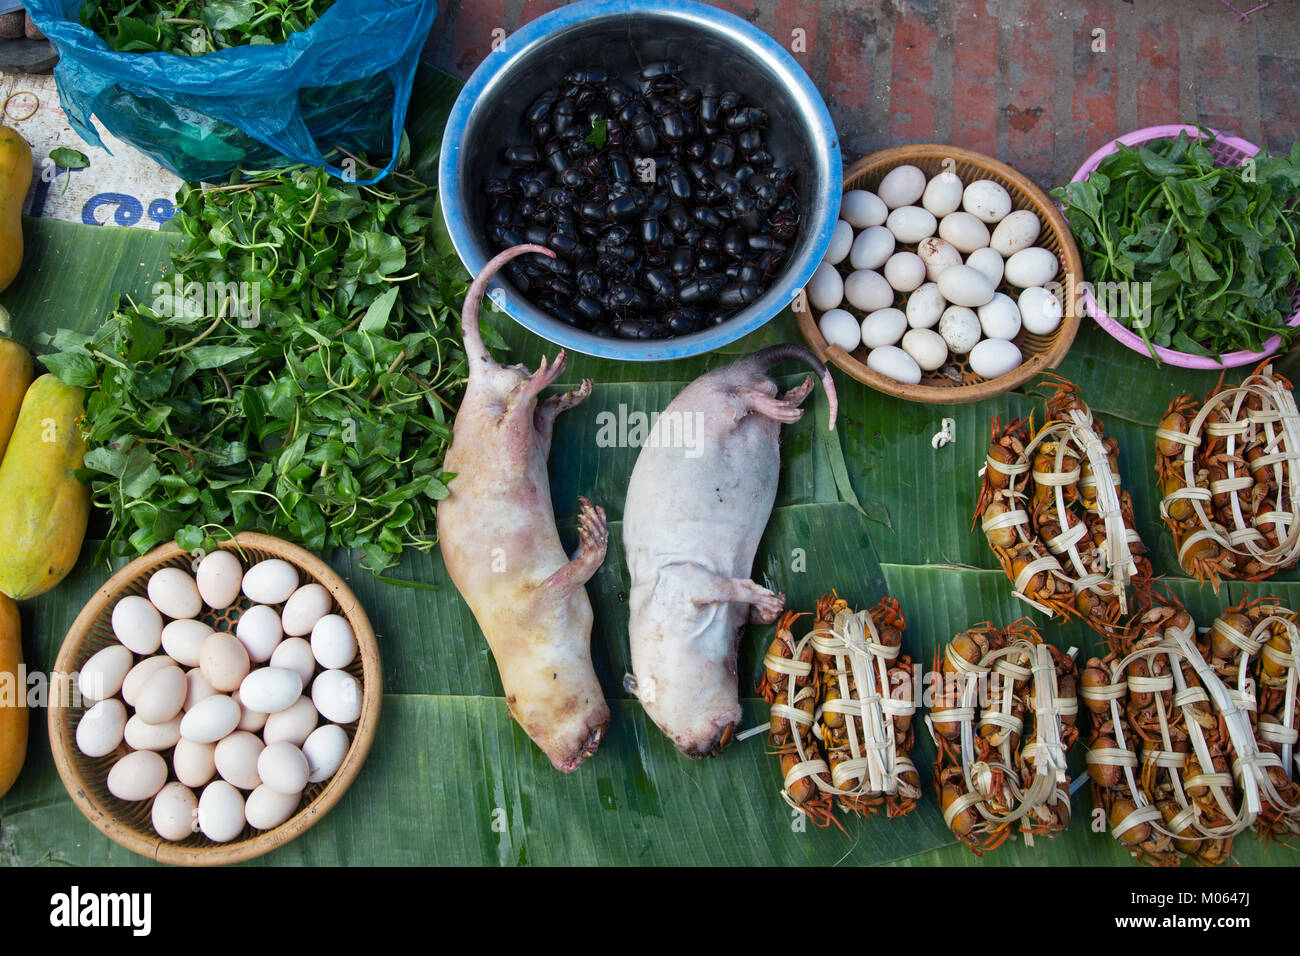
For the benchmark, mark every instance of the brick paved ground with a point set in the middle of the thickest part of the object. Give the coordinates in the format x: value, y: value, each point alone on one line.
x: 1015, y: 78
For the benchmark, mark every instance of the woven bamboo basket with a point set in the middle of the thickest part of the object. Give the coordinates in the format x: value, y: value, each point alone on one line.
x: 954, y: 382
x: 129, y: 824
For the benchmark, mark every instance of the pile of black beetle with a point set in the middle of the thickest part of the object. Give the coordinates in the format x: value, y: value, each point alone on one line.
x: 662, y: 203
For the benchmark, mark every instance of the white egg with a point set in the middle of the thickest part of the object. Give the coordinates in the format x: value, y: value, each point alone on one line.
x: 894, y: 363
x: 901, y: 186
x: 251, y: 720
x: 197, y: 687
x: 960, y: 328
x: 259, y: 629
x: 142, y: 736
x: 905, y: 271
x: 962, y: 285
x: 872, y: 248
x: 174, y: 592
x: 825, y: 288
x: 218, y: 577
x: 1040, y: 310
x: 221, y: 812
x: 994, y: 357
x: 837, y: 327
x: 175, y: 812
x: 101, y: 677
x: 283, y: 767
x: 986, y: 200
x: 1000, y: 317
x: 883, y: 327
x: 194, y: 763
x: 925, y: 306
x: 162, y: 695
x: 334, y: 644
x: 862, y: 208
x: 137, y: 624
x: 942, y: 194
x: 210, y: 719
x: 325, y: 750
x: 270, y: 581
x: 266, y: 809
x: 183, y: 640
x: 269, y: 690
x: 137, y: 776
x: 926, y: 347
x: 297, y: 655
x: 295, y: 723
x: 911, y: 223
x: 223, y: 659
x: 868, y: 291
x: 101, y: 728
x: 988, y: 262
x: 236, y: 759
x: 140, y: 673
x: 1019, y: 230
x: 841, y: 242
x: 337, y: 696
x: 937, y: 254
x: 964, y: 232
x: 1032, y: 266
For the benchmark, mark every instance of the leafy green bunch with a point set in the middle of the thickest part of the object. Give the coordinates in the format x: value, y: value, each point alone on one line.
x: 1218, y: 244
x: 297, y: 376
x: 195, y: 27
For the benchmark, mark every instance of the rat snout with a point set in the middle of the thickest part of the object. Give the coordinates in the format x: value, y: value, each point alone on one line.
x: 711, y: 737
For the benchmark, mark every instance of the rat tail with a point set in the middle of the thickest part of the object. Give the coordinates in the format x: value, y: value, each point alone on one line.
x: 475, y: 350
x: 789, y: 351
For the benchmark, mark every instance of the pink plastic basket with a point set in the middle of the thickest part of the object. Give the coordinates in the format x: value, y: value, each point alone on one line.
x: 1227, y: 151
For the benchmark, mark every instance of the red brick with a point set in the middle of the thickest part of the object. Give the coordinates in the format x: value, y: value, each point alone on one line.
x: 853, y: 53
x: 536, y: 8
x: 912, y: 93
x: 791, y: 15
x: 1279, y: 81
x: 474, y: 27
x: 1156, y: 59
x: 1030, y: 137
x: 975, y: 76
x: 1094, y: 106
x: 1217, y: 104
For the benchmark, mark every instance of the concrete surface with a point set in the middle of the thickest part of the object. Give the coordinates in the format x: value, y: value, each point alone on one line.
x: 1018, y: 79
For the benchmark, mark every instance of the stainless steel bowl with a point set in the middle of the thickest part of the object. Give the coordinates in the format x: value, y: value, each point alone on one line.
x: 621, y: 35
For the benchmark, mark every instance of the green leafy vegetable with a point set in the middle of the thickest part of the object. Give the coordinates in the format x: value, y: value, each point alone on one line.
x: 69, y: 158
x: 298, y: 374
x: 599, y: 133
x: 1214, y: 247
x: 195, y: 27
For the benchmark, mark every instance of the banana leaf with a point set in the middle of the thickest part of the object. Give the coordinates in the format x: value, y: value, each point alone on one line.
x: 871, y: 509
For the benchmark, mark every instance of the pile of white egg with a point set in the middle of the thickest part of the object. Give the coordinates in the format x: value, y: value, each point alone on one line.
x: 222, y: 713
x: 946, y: 257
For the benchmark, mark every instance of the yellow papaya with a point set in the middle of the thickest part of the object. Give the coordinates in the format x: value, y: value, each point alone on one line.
x: 13, y: 697
x: 15, y: 376
x: 43, y: 507
x: 15, y: 177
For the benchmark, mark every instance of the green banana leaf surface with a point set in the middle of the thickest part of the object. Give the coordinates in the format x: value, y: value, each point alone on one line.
x: 872, y: 508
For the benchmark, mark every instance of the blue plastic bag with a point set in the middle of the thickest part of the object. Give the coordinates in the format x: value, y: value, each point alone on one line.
x: 343, y: 83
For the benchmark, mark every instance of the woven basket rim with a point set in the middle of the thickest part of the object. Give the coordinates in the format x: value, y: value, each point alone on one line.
x: 1139, y: 137
x: 1072, y: 271
x: 143, y: 840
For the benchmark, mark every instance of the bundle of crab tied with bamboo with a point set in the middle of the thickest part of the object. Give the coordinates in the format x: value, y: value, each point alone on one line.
x: 1003, y: 721
x: 1192, y: 735
x: 1056, y: 517
x: 1229, y: 470
x: 843, y: 697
